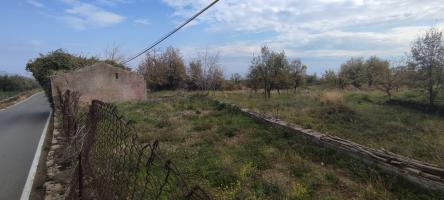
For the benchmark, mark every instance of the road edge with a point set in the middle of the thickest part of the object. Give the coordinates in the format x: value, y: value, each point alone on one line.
x: 32, y: 171
x: 20, y: 102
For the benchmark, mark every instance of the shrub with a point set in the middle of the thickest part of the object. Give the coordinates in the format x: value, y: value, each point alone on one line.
x: 16, y: 83
x: 45, y: 66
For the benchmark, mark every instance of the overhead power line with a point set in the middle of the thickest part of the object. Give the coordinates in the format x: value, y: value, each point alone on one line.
x: 170, y: 33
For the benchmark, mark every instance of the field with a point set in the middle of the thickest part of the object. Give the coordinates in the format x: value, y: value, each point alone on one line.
x: 5, y: 95
x: 232, y: 156
x: 10, y: 98
x: 360, y: 116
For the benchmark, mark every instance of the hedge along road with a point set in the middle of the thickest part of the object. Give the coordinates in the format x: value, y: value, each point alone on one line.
x: 21, y: 127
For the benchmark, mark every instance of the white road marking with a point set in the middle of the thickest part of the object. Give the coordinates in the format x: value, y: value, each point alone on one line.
x: 33, y: 170
x: 20, y: 102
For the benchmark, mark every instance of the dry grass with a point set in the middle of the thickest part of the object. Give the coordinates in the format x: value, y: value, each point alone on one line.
x: 333, y: 97
x: 233, y: 157
x: 359, y: 116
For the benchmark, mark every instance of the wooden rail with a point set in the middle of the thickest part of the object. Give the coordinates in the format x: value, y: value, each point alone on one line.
x: 426, y: 175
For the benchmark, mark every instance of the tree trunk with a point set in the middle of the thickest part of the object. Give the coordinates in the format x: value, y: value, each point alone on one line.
x: 431, y: 95
x: 430, y: 86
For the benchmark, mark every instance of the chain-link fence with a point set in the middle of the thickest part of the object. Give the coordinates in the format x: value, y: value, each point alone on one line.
x: 110, y: 163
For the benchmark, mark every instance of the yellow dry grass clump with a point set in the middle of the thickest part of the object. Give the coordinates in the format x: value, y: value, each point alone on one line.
x: 333, y: 97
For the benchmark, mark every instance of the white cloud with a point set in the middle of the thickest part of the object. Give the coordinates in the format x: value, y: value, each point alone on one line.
x: 340, y: 28
x: 84, y: 15
x: 36, y: 3
x: 142, y: 21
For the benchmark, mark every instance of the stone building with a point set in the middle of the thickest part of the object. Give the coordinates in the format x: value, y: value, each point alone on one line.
x: 101, y: 81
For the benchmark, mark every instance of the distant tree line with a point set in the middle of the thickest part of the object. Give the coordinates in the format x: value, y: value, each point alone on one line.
x: 270, y: 70
x: 423, y: 68
x: 16, y: 83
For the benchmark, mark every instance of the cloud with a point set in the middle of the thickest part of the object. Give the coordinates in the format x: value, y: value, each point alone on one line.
x: 35, y: 3
x: 142, y: 21
x: 83, y: 15
x: 340, y: 28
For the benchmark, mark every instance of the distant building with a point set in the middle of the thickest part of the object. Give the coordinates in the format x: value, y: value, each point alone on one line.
x: 101, y: 81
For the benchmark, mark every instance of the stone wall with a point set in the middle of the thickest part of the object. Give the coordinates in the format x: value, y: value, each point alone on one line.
x: 101, y: 81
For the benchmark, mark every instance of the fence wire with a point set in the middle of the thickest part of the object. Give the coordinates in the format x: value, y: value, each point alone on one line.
x: 109, y: 161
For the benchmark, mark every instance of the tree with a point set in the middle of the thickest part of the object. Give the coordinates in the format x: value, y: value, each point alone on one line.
x: 195, y: 75
x: 175, y: 68
x: 113, y: 56
x: 389, y: 79
x: 268, y: 71
x: 45, y: 66
x: 253, y: 78
x: 297, y: 73
x: 280, y: 71
x: 163, y: 71
x: 353, y: 72
x: 16, y: 83
x: 153, y: 71
x: 330, y: 78
x: 235, y: 82
x: 213, y: 76
x: 374, y: 68
x: 427, y: 56
x: 261, y: 69
x: 236, y: 78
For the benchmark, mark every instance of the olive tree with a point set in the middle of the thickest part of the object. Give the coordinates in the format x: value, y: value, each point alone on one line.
x: 297, y: 73
x: 427, y: 56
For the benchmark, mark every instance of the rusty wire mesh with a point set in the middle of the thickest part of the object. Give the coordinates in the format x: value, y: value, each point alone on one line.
x: 110, y: 163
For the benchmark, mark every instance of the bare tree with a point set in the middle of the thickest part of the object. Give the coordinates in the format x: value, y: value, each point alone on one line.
x: 113, y: 53
x: 195, y: 75
x: 427, y: 55
x: 212, y: 72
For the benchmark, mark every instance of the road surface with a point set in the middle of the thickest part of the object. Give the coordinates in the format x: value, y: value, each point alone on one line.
x: 20, y: 129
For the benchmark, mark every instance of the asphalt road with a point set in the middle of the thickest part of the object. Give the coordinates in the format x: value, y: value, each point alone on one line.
x: 20, y: 129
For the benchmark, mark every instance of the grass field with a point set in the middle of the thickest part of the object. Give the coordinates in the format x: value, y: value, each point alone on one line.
x: 360, y: 116
x: 233, y: 157
x: 5, y: 95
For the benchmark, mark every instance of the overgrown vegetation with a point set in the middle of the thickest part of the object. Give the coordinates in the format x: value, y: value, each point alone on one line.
x: 360, y: 116
x: 46, y: 65
x: 13, y: 85
x: 16, y: 83
x: 167, y: 71
x: 234, y: 157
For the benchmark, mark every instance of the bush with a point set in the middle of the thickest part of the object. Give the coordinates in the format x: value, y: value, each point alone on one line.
x: 16, y: 83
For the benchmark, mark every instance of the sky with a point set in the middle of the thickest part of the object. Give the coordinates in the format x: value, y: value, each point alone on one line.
x: 322, y: 33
